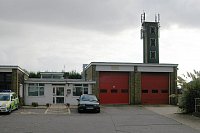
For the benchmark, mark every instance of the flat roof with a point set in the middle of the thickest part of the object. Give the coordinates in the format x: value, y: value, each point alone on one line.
x: 14, y: 67
x: 132, y: 64
x: 60, y: 81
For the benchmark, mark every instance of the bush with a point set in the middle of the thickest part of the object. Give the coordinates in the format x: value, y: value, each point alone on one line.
x: 191, y: 90
x: 48, y: 104
x: 188, y: 100
x: 34, y: 104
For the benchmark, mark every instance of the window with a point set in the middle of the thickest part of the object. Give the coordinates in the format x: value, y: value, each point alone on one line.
x: 153, y: 30
x: 153, y: 54
x: 154, y: 91
x: 5, y: 80
x: 164, y: 91
x: 114, y: 91
x: 36, y: 90
x: 144, y: 91
x: 85, y: 90
x: 103, y: 91
x: 80, y: 89
x: 124, y: 90
x: 77, y: 91
x: 152, y: 42
x: 60, y: 91
x: 85, y: 85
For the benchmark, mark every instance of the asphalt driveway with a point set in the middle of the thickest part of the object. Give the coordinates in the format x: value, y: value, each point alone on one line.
x: 119, y: 119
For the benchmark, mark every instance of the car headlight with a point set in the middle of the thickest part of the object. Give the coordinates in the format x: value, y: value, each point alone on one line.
x: 96, y: 105
x: 4, y: 105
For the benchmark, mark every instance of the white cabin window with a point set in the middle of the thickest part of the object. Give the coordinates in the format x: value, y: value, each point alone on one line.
x: 36, y: 89
x: 80, y: 89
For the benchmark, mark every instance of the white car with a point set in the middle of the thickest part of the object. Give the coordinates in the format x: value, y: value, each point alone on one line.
x: 8, y: 101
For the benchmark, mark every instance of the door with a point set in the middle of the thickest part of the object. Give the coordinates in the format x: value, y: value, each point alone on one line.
x: 155, y: 88
x: 114, y: 87
x: 58, y: 95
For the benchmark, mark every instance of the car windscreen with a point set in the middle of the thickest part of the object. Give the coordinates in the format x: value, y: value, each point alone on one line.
x: 89, y: 98
x: 4, y: 97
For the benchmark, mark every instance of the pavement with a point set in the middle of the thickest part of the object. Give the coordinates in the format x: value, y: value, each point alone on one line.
x: 173, y: 112
x: 169, y: 111
x: 112, y: 119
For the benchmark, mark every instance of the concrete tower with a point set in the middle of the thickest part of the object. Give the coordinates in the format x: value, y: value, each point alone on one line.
x: 150, y: 36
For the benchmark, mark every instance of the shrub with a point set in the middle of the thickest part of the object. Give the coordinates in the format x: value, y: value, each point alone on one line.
x: 48, y: 104
x: 188, y: 100
x: 191, y: 90
x: 34, y: 104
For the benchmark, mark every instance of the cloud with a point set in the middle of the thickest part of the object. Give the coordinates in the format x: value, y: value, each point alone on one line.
x: 41, y: 48
x: 105, y: 15
x: 48, y: 34
x: 88, y: 14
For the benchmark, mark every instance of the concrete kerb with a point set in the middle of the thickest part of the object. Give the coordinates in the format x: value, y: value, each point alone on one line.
x: 31, y: 107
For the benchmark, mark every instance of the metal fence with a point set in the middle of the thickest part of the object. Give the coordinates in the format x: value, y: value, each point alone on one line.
x: 197, y: 105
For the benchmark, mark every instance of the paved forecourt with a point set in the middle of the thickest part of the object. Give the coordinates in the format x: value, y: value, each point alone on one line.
x: 118, y: 119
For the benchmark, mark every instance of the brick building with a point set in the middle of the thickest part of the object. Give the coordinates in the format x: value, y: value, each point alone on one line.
x: 12, y: 78
x: 149, y: 82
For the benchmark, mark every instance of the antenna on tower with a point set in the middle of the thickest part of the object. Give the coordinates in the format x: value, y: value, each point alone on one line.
x: 158, y: 17
x: 143, y: 17
x: 142, y: 21
x: 158, y: 25
x: 155, y: 18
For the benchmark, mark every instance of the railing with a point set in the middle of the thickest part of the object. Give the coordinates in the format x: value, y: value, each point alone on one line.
x: 197, y: 105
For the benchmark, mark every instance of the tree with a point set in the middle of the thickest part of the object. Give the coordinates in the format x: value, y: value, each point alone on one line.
x: 191, y: 90
x: 34, y: 75
x: 73, y: 75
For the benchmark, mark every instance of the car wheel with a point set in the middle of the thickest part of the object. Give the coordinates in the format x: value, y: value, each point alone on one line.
x: 79, y: 111
x: 17, y: 107
x: 10, y: 110
x: 98, y: 111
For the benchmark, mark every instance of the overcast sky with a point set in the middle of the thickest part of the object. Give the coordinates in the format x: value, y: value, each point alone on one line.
x: 56, y: 35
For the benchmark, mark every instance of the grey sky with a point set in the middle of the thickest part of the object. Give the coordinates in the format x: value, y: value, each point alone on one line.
x: 41, y: 35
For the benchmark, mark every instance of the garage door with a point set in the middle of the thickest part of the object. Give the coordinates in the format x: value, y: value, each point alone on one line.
x: 114, y: 87
x: 155, y: 88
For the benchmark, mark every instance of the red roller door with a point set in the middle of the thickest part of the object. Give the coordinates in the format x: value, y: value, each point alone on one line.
x: 114, y: 87
x: 155, y: 88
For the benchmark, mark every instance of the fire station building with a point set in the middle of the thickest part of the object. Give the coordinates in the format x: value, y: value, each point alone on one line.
x: 149, y: 82
x: 129, y: 83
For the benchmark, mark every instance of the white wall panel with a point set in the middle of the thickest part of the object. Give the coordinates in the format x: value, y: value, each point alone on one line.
x: 155, y: 69
x: 114, y: 68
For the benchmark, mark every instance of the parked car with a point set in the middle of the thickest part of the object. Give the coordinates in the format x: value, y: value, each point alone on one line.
x: 88, y: 102
x: 8, y: 101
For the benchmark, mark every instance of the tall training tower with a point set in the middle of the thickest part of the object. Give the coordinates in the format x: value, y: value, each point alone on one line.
x: 150, y: 36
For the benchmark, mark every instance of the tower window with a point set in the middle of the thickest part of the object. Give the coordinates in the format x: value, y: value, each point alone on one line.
x: 153, y: 42
x: 153, y: 30
x: 152, y: 54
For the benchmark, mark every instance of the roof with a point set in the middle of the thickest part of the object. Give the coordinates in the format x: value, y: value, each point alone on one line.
x: 14, y: 67
x: 59, y: 81
x: 132, y: 64
x: 7, y: 92
x: 127, y: 67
